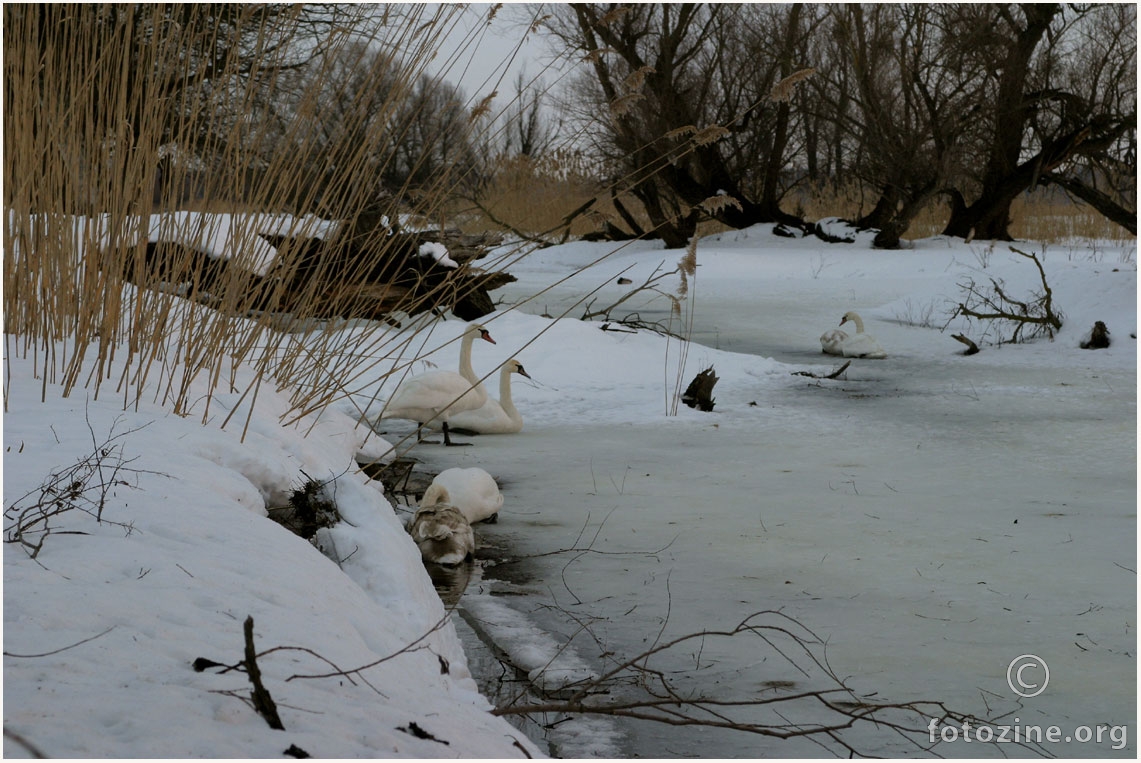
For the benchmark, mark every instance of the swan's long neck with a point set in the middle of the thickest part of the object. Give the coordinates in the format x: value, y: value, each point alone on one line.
x: 465, y: 360
x: 855, y: 318
x: 505, y: 391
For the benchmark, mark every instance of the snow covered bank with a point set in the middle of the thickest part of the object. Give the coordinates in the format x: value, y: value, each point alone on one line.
x: 102, y: 628
x: 932, y: 516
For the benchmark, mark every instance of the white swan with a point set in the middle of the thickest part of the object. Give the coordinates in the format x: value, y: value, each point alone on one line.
x: 832, y: 341
x: 438, y: 395
x: 473, y: 491
x: 495, y: 416
x: 860, y: 345
x: 440, y: 530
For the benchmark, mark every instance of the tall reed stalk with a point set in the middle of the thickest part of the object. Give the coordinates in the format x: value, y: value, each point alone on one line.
x: 104, y: 104
x: 683, y: 308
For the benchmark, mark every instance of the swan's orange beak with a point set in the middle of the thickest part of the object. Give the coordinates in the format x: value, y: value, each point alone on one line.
x: 483, y: 334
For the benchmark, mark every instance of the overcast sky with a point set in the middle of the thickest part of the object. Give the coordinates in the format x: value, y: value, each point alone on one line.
x: 488, y: 57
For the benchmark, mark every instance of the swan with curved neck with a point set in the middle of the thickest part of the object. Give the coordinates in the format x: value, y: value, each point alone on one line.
x: 436, y: 396
x: 859, y: 345
x: 440, y: 530
x: 495, y: 416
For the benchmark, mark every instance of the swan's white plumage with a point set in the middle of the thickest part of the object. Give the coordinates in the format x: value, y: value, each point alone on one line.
x: 495, y: 416
x: 860, y: 345
x: 832, y: 341
x: 472, y: 491
x: 437, y: 395
x: 440, y: 530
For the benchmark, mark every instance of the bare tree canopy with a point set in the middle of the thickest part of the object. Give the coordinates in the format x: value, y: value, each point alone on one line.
x: 751, y: 103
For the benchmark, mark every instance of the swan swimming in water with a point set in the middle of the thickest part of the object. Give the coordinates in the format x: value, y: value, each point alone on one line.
x: 858, y: 345
x: 472, y: 491
x: 440, y: 530
x: 438, y: 395
x: 495, y: 416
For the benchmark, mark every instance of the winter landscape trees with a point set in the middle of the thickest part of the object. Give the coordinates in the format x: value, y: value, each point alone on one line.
x: 973, y: 104
x: 756, y: 107
x: 203, y: 203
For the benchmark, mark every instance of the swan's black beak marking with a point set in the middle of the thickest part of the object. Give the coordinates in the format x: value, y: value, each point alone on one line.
x: 519, y: 370
x: 483, y: 334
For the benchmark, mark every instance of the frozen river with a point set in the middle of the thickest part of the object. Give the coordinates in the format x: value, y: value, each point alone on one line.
x: 930, y: 516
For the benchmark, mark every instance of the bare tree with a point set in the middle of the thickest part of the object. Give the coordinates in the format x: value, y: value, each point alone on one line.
x: 1037, y: 115
x: 975, y: 102
x: 529, y: 130
x: 911, y: 94
x: 682, y: 125
x: 1101, y: 61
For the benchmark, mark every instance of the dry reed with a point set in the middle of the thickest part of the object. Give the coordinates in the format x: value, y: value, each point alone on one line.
x: 104, y: 104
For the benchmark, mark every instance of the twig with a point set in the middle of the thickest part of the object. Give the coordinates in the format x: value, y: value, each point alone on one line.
x: 413, y: 646
x: 61, y: 649
x: 36, y: 752
x: 263, y: 702
x: 834, y: 375
x: 663, y: 703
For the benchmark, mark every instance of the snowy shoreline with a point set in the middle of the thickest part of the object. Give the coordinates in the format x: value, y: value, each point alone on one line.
x: 102, y: 628
x: 120, y: 612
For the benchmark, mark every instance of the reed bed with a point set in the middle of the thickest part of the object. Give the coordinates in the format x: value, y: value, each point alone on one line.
x: 112, y: 111
x: 208, y: 127
x: 533, y: 202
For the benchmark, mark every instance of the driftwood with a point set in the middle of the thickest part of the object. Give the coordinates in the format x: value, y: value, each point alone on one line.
x: 699, y: 393
x: 371, y: 277
x: 1036, y: 315
x: 972, y: 348
x: 356, y: 275
x: 834, y: 375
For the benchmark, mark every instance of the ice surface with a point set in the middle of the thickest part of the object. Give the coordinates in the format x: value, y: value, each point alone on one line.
x: 931, y: 516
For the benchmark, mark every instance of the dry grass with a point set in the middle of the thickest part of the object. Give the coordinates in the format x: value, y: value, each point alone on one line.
x: 1040, y: 216
x: 533, y: 197
x: 532, y: 201
x: 83, y: 146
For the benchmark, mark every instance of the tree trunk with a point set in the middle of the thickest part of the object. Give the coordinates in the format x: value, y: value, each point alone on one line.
x: 989, y: 216
x: 1103, y: 203
x: 893, y: 229
x: 884, y: 211
x: 769, y: 196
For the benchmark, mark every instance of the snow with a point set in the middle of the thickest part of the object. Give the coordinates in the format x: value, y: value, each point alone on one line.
x: 183, y: 556
x: 437, y: 252
x: 931, y: 515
